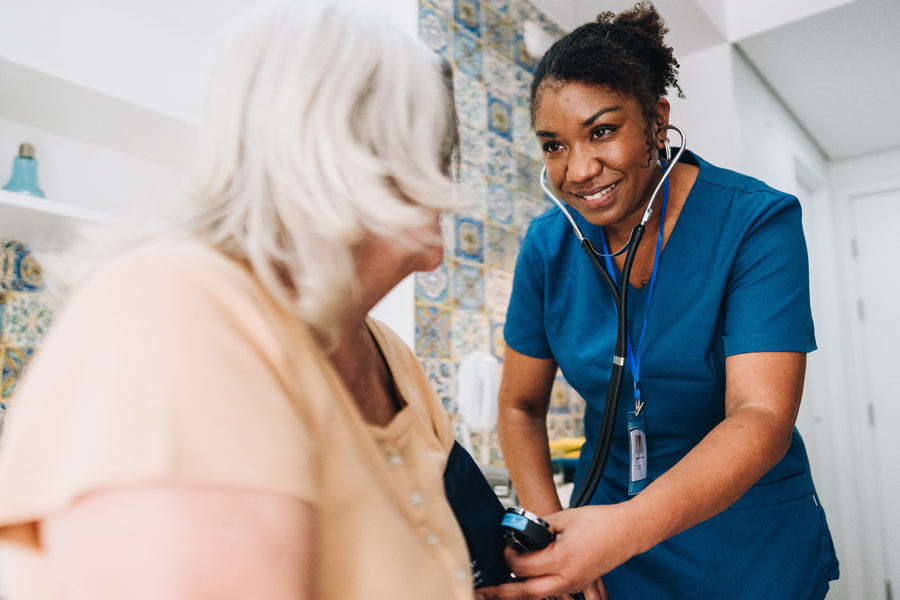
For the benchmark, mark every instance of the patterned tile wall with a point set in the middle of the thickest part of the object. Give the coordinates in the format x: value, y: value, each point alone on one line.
x: 461, y: 307
x: 25, y: 315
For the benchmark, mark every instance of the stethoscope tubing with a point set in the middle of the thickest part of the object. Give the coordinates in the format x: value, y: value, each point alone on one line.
x: 620, y: 295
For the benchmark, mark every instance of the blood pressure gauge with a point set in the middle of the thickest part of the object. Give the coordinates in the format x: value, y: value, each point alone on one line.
x: 525, y: 531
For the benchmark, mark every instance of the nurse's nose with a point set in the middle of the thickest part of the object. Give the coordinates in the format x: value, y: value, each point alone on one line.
x: 582, y: 166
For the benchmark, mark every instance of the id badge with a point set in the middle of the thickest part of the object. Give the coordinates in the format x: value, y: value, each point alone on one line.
x: 638, y: 440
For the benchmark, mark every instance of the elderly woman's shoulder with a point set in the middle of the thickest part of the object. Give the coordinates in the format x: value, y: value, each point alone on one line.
x: 167, y: 276
x: 171, y: 263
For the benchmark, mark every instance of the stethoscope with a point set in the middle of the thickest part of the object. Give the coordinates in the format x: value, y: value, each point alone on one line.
x: 601, y: 452
x: 523, y: 530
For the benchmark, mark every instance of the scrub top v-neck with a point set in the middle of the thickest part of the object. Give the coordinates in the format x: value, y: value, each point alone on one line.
x: 733, y: 278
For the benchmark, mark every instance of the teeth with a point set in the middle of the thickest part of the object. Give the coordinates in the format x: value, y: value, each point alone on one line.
x: 605, y: 190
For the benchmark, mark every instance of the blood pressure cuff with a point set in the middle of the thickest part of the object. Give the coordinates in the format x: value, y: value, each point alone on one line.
x: 479, y: 513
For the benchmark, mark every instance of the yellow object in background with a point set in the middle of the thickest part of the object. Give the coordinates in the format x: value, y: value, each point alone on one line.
x: 566, y: 447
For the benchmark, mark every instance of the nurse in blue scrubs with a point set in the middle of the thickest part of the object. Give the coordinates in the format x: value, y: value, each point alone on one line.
x: 719, y: 324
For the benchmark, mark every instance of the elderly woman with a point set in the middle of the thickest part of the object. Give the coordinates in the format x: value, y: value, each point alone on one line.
x: 214, y: 415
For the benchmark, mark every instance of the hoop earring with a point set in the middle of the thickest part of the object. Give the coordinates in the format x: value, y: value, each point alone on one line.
x: 668, y: 154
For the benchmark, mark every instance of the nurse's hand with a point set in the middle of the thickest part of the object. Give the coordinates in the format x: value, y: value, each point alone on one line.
x: 590, y: 542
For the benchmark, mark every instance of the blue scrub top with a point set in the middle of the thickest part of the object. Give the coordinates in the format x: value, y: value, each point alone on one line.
x: 733, y: 278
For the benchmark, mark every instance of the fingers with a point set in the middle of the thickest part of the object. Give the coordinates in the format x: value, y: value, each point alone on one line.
x: 596, y: 591
x: 532, y: 589
x: 531, y: 564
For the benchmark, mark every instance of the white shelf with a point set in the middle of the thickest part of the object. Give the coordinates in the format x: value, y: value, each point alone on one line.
x: 45, y: 223
x: 50, y: 103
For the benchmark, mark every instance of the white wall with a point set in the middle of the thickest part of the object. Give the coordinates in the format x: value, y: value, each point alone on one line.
x: 708, y: 112
x: 749, y: 18
x: 769, y: 139
x: 107, y: 48
x: 863, y: 169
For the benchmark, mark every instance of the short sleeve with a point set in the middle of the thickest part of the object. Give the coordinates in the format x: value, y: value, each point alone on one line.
x: 524, y: 331
x: 158, y: 370
x: 767, y: 306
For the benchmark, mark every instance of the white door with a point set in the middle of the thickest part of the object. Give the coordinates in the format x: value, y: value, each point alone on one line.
x: 876, y: 230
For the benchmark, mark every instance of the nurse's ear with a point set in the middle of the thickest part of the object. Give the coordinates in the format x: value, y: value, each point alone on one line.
x: 661, y: 121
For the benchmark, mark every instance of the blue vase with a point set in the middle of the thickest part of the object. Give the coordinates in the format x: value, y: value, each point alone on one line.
x: 24, y: 175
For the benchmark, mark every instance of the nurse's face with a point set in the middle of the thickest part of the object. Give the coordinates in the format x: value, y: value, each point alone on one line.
x: 595, y: 148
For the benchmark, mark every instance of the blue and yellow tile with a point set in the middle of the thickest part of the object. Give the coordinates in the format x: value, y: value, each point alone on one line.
x: 562, y: 426
x: 433, y: 30
x: 471, y: 101
x: 473, y: 145
x: 434, y: 286
x: 470, y: 239
x: 498, y: 344
x: 468, y: 287
x: 448, y: 232
x: 27, y: 317
x: 524, y: 140
x: 27, y: 274
x: 467, y: 14
x: 442, y: 376
x: 502, y: 248
x: 7, y: 263
x: 523, y: 58
x: 467, y: 52
x: 501, y: 208
x: 473, y: 188
x: 522, y: 80
x: 500, y: 7
x: 498, y: 75
x: 497, y: 291
x: 498, y: 32
x: 527, y: 208
x: 15, y: 363
x: 433, y: 332
x: 500, y: 117
x: 528, y: 173
x: 470, y: 333
x: 461, y: 307
x: 559, y: 396
x: 500, y: 164
x: 444, y: 8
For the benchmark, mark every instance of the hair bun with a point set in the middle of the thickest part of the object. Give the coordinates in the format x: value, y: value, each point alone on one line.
x: 643, y: 20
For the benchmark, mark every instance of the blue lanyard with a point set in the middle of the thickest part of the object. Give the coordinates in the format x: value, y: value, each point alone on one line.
x: 635, y: 362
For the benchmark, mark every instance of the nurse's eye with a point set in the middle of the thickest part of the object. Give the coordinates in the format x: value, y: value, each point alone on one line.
x: 601, y: 132
x: 551, y: 147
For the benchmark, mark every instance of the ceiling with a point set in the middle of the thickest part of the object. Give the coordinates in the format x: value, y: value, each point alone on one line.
x: 837, y: 67
x: 839, y: 72
x: 834, y: 63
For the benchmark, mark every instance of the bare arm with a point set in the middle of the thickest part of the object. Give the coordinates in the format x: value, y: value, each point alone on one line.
x: 522, y: 428
x: 762, y: 397
x: 182, y: 543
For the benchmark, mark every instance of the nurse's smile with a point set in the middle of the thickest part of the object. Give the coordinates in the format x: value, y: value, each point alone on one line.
x: 597, y: 146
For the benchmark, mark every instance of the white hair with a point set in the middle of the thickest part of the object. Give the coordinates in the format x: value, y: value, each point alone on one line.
x: 324, y: 122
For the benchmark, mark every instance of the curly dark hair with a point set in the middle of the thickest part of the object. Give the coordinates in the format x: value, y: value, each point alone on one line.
x: 624, y: 52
